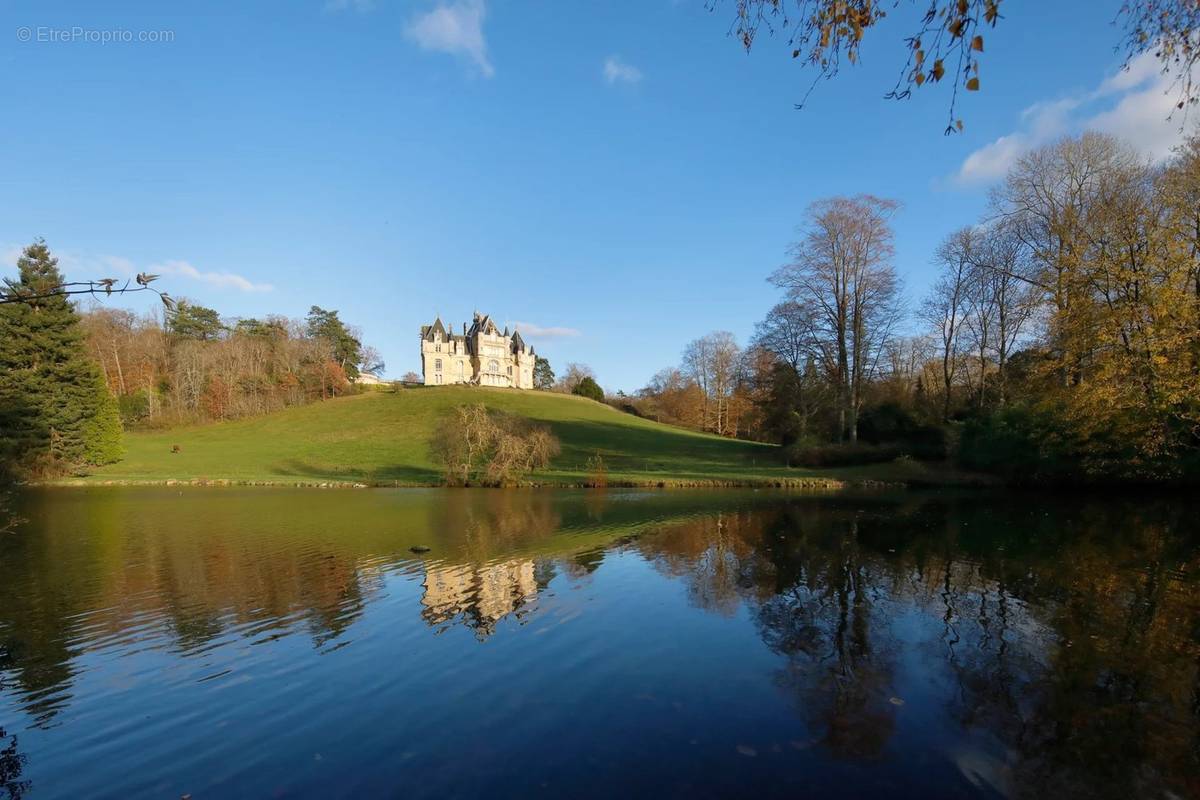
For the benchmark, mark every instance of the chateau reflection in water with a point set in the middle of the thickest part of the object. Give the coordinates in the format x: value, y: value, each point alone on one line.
x: 1061, y: 641
x: 478, y: 596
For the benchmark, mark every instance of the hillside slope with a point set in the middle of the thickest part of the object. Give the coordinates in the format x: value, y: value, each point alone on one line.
x: 382, y: 439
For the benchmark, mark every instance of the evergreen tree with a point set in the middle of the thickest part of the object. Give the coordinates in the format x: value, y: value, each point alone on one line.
x: 543, y: 375
x: 191, y: 321
x: 589, y: 388
x: 347, y: 349
x: 55, y: 410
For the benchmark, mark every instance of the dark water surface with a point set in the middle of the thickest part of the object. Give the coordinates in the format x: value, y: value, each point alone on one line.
x: 277, y: 643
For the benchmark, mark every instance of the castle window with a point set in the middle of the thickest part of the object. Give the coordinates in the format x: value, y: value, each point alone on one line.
x: 438, y: 347
x: 510, y: 370
x: 437, y: 365
x: 493, y: 366
x: 460, y: 369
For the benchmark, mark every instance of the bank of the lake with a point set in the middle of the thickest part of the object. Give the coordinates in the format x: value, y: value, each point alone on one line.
x: 382, y: 439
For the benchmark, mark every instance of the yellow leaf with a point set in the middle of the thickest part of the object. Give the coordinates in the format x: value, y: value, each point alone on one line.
x: 977, y: 44
x: 973, y: 85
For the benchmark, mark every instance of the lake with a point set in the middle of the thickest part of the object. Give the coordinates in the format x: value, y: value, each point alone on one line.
x: 241, y: 642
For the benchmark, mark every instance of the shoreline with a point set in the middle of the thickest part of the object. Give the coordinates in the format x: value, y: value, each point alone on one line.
x: 820, y: 484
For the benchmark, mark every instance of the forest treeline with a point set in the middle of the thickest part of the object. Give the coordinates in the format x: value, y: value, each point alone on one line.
x: 72, y: 380
x: 192, y: 365
x: 1060, y: 341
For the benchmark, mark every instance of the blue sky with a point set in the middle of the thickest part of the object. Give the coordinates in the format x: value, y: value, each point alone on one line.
x: 620, y: 175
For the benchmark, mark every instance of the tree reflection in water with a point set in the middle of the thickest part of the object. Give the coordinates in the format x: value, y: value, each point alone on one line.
x: 1072, y: 640
x: 1059, y: 640
x: 12, y: 762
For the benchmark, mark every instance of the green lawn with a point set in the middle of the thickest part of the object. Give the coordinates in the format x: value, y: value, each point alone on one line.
x: 381, y: 438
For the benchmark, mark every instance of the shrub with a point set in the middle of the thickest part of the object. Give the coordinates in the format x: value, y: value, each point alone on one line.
x: 477, y: 446
x: 1019, y: 443
x: 597, y: 472
x: 134, y: 407
x: 890, y: 423
x: 589, y: 388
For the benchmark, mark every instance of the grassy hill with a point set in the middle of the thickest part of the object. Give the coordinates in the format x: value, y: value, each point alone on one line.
x: 382, y: 439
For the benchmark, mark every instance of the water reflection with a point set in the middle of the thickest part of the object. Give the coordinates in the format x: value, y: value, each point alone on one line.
x: 478, y: 596
x: 967, y: 646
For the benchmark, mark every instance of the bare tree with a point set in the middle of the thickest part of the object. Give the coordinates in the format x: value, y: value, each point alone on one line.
x: 841, y: 272
x: 946, y: 307
x: 572, y: 375
x: 714, y: 363
x: 1002, y: 301
x: 787, y: 333
x: 476, y: 445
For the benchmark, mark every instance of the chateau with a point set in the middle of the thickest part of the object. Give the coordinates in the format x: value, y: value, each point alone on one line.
x: 481, y: 355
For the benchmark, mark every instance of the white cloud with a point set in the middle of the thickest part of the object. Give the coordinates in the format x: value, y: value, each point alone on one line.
x: 120, y: 265
x: 77, y: 266
x: 9, y: 256
x: 544, y: 332
x: 455, y: 28
x: 1134, y: 104
x: 221, y: 280
x: 618, y: 71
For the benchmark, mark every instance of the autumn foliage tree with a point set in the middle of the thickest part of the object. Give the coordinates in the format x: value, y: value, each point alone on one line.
x: 1111, y: 242
x: 945, y: 41
x: 198, y: 366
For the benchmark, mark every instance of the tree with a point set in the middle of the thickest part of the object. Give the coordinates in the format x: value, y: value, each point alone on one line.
x: 271, y: 328
x: 587, y: 387
x: 1103, y: 250
x: 411, y: 377
x: 947, y: 38
x: 714, y: 363
x: 372, y: 361
x: 347, y: 349
x: 787, y: 333
x: 1051, y: 201
x: 790, y: 402
x: 673, y: 397
x: 841, y: 274
x: 543, y: 375
x: 478, y: 446
x: 1001, y: 303
x: 191, y: 321
x: 945, y: 307
x: 573, y: 375
x: 54, y: 407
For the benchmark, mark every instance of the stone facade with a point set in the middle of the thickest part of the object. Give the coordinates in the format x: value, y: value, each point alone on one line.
x: 482, y: 355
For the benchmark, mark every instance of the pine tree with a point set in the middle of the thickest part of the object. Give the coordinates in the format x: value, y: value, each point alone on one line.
x: 543, y: 375
x: 55, y: 411
x: 347, y: 349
